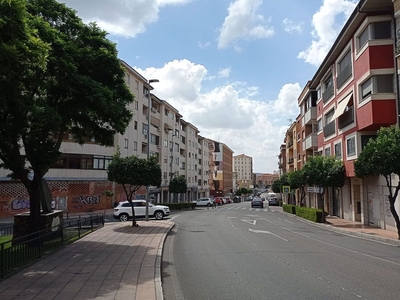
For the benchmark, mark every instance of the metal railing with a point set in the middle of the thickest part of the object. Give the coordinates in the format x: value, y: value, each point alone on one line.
x: 18, y: 252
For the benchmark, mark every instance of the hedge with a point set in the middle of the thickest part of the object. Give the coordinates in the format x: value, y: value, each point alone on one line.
x: 312, y: 214
x: 289, y: 208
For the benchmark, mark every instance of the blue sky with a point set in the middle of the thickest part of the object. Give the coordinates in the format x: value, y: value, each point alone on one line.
x: 233, y: 68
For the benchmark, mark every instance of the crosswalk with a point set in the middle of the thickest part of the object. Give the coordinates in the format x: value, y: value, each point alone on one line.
x: 245, y: 208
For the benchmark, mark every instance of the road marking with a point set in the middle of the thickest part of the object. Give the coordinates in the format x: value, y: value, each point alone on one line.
x: 174, y: 217
x: 263, y: 231
x: 288, y: 221
x: 253, y: 222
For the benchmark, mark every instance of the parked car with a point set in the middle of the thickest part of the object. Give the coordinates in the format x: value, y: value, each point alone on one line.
x: 273, y: 201
x: 123, y: 211
x: 205, y: 202
x: 228, y: 200
x: 257, y: 202
x: 218, y: 201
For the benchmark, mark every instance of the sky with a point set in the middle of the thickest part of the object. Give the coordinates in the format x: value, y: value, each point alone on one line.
x: 232, y: 68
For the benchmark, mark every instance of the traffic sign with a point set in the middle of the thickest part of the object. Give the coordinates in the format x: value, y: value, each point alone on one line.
x: 286, y: 189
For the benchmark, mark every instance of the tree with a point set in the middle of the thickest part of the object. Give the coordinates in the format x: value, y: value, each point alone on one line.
x: 132, y: 173
x: 178, y: 184
x: 324, y: 172
x: 278, y: 184
x: 296, y: 180
x: 381, y: 156
x: 57, y: 76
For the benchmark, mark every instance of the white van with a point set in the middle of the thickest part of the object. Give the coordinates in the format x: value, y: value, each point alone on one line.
x: 271, y: 195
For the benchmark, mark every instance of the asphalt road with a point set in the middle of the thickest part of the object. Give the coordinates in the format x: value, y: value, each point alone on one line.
x: 235, y: 252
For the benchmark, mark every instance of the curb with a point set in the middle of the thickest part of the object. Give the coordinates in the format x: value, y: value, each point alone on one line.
x: 348, y: 232
x: 157, y: 276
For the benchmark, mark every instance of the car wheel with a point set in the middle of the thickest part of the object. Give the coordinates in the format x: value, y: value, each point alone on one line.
x: 262, y: 206
x: 159, y: 215
x: 208, y: 204
x: 123, y: 217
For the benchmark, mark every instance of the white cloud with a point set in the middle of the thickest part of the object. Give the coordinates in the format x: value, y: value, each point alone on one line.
x: 326, y: 28
x: 204, y: 45
x: 292, y: 27
x: 224, y: 72
x: 243, y: 22
x: 120, y: 17
x: 228, y: 113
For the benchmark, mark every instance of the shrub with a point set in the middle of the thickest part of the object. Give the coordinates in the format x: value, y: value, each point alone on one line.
x: 312, y: 214
x: 289, y: 208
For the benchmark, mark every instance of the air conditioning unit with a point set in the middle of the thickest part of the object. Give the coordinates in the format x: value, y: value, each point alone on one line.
x: 159, y: 129
x: 145, y: 136
x: 158, y: 146
x: 153, y: 110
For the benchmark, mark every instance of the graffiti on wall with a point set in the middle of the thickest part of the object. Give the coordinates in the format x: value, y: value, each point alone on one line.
x: 15, y: 205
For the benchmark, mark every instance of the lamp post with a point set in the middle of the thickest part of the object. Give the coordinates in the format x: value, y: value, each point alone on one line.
x: 148, y: 144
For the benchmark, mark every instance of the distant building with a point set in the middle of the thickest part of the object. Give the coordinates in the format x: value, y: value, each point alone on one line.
x: 265, y: 180
x: 243, y: 168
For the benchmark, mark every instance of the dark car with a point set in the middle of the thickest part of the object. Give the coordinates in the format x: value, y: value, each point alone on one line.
x: 257, y: 202
x: 273, y: 201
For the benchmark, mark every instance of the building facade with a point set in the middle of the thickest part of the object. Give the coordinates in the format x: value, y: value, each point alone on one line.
x: 243, y: 165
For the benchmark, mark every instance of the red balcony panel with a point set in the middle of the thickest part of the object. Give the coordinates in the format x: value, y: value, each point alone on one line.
x: 381, y: 57
x: 375, y: 114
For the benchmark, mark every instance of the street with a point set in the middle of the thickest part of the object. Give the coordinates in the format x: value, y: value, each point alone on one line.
x: 238, y: 252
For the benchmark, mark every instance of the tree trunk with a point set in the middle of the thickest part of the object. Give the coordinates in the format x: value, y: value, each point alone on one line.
x: 395, y: 215
x: 34, y: 191
x: 134, y: 224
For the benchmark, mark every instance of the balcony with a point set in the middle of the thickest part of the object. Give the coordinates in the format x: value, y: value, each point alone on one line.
x: 376, y: 114
x: 328, y: 93
x: 290, y: 161
x: 346, y: 118
x: 329, y: 129
x: 310, y: 115
x: 310, y: 142
x: 290, y: 143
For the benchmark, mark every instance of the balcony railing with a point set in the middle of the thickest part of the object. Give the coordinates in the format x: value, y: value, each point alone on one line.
x: 290, y: 143
x: 310, y: 115
x: 329, y: 129
x: 290, y: 161
x: 328, y: 93
x: 311, y: 141
x: 346, y: 118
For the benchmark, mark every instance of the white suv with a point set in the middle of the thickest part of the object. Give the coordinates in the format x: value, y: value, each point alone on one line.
x: 205, y: 202
x: 123, y: 211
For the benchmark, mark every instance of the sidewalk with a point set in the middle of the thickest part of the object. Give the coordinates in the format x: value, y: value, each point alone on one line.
x: 115, y: 262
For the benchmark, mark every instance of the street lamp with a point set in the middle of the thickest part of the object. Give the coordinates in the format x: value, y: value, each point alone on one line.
x: 148, y: 144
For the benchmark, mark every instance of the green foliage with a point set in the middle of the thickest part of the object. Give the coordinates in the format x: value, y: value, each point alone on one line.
x: 297, y: 181
x: 312, y: 214
x: 243, y: 191
x: 381, y: 156
x: 324, y: 171
x: 132, y: 173
x: 57, y: 76
x: 181, y: 206
x: 289, y: 208
x: 178, y: 184
x: 279, y: 183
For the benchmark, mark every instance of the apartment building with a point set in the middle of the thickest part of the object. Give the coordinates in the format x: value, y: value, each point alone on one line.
x: 78, y: 181
x: 243, y: 165
x: 282, y: 164
x: 220, y: 175
x: 351, y: 96
x: 266, y: 180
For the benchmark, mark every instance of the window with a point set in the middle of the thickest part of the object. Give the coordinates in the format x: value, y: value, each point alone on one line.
x: 328, y: 151
x: 365, y: 139
x: 377, y: 84
x: 165, y: 143
x: 375, y: 31
x: 351, y: 146
x: 177, y: 133
x: 145, y: 128
x: 344, y: 69
x: 328, y: 117
x: 135, y: 145
x: 319, y: 93
x: 136, y: 105
x: 137, y: 84
x: 338, y: 150
x: 319, y: 126
x: 328, y: 88
x: 128, y: 79
x: 135, y: 125
x: 126, y: 142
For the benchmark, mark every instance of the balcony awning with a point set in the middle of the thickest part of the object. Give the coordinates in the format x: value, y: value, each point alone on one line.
x: 342, y: 106
x: 167, y: 126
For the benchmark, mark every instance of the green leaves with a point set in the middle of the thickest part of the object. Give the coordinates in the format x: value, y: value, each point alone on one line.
x: 324, y: 172
x: 178, y: 184
x: 381, y: 156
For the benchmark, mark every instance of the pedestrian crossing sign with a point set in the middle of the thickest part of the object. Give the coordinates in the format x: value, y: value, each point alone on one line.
x: 286, y: 189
